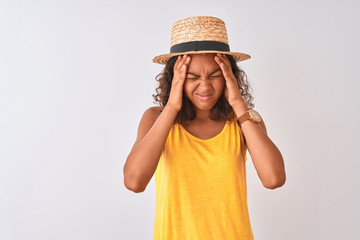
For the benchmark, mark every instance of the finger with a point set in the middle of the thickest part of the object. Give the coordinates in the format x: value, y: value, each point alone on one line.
x: 226, y: 70
x: 221, y: 63
x: 181, y: 69
x: 224, y: 59
x: 184, y: 66
x: 178, y: 59
x: 185, y: 60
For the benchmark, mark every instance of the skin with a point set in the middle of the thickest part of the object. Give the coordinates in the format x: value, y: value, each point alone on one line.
x: 266, y: 157
x: 155, y: 124
x: 203, y: 76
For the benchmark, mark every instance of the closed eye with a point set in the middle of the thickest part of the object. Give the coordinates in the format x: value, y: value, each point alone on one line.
x: 210, y: 76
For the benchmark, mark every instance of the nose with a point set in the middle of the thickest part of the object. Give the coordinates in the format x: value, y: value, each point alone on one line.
x: 205, y: 84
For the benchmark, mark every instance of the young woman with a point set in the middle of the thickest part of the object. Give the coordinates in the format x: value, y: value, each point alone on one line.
x: 195, y: 142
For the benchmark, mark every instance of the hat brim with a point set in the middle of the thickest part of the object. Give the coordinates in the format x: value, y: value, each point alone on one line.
x: 162, y: 59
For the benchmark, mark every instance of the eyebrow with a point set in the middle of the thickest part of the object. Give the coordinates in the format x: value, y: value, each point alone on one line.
x: 219, y: 69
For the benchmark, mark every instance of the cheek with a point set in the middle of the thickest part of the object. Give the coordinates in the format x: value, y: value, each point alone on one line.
x: 220, y: 84
x: 187, y: 88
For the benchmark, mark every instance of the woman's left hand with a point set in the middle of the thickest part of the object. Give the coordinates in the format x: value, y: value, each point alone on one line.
x: 232, y: 92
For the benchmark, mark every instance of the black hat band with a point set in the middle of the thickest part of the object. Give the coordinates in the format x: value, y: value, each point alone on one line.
x: 200, y: 46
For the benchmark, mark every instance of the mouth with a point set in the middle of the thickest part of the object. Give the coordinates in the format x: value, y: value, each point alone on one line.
x: 204, y: 97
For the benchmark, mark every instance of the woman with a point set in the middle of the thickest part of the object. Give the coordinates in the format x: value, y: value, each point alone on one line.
x: 196, y: 141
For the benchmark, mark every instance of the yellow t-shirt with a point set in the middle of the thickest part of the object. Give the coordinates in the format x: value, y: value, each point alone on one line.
x: 201, y: 187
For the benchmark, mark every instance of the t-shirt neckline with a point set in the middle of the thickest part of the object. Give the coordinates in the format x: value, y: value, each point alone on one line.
x: 209, y: 139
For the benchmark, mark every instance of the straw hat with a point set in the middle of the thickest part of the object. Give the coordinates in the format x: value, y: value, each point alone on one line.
x: 199, y: 34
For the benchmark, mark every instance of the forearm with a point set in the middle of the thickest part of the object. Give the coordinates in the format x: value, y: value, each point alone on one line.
x: 144, y: 157
x: 266, y: 157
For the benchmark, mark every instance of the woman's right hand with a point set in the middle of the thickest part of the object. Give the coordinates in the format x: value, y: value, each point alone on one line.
x: 176, y: 92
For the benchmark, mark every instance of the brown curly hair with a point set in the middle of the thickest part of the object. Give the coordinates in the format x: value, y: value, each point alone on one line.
x: 221, y: 110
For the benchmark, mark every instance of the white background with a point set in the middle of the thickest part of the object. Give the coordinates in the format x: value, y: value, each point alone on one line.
x: 76, y: 77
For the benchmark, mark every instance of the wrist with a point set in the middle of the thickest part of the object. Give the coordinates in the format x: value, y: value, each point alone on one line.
x: 170, y: 108
x: 251, y: 115
x: 239, y: 109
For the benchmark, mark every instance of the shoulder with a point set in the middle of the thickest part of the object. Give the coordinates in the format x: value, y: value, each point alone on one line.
x: 154, y: 111
x: 147, y: 120
x: 150, y: 115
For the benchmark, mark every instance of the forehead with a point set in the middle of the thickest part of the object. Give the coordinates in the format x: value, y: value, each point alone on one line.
x: 202, y: 62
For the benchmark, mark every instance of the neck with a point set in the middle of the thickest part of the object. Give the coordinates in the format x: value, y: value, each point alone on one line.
x: 202, y: 115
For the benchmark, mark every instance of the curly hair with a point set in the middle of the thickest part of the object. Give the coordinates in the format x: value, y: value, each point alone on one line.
x: 221, y: 110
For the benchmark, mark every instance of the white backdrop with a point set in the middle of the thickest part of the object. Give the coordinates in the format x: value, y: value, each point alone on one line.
x: 76, y: 77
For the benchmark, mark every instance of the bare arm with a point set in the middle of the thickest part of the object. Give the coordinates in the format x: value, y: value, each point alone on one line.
x: 266, y: 157
x: 142, y: 161
x: 153, y: 131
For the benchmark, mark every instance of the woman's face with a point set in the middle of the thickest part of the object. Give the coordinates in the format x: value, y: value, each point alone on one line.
x: 204, y: 77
